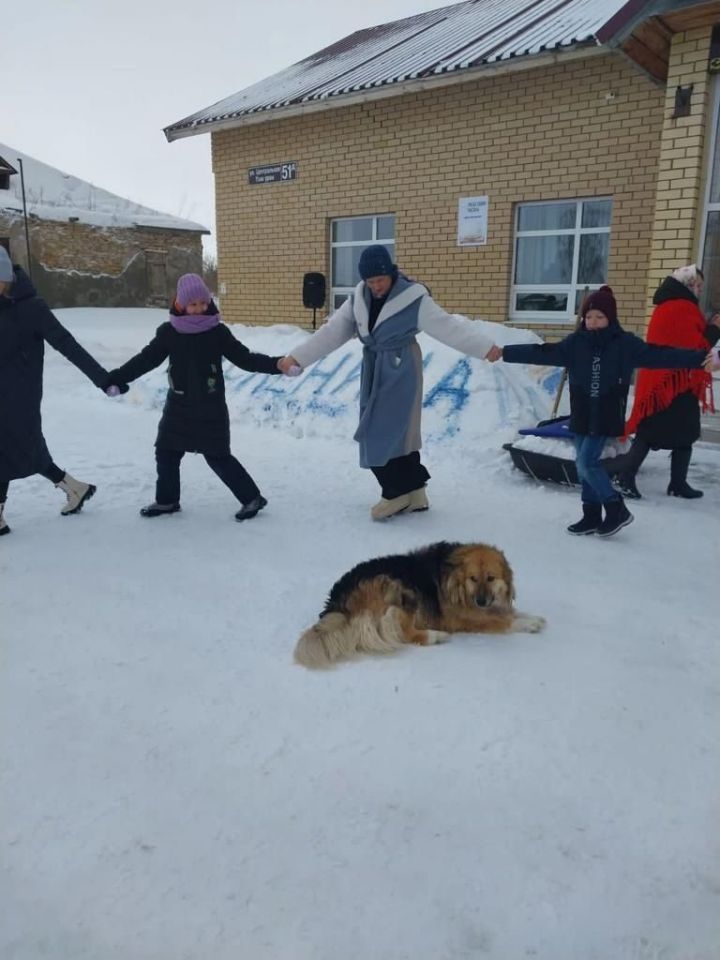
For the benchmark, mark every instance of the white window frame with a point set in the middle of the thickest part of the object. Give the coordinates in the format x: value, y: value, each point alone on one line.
x: 553, y: 317
x: 339, y: 290
x: 709, y: 207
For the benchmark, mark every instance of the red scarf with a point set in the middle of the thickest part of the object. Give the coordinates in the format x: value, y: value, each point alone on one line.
x: 674, y: 323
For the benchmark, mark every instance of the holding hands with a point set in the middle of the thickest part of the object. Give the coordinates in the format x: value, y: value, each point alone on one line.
x: 494, y: 353
x: 289, y: 366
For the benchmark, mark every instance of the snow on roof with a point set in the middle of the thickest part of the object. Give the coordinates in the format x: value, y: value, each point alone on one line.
x: 54, y: 195
x: 467, y: 35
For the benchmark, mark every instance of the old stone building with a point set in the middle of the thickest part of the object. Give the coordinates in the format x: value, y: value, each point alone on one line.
x: 89, y: 247
x: 510, y: 155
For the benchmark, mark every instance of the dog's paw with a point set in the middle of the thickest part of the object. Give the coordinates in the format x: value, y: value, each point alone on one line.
x: 527, y: 623
x: 436, y: 636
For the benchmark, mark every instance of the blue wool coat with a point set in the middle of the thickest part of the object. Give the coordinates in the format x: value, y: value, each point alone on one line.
x: 26, y: 322
x: 391, y: 380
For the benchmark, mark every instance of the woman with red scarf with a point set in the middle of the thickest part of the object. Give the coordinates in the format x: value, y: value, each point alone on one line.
x: 666, y: 411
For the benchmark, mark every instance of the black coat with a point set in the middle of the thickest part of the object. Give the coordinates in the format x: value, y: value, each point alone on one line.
x: 600, y: 366
x: 678, y: 425
x: 195, y: 418
x: 26, y: 322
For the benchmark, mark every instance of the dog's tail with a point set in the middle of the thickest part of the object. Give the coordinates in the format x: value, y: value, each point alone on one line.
x: 337, y: 636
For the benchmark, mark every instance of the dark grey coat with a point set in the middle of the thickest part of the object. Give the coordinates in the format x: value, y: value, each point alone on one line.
x: 26, y: 322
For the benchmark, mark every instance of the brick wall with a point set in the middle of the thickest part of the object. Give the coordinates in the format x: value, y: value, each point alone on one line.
x: 541, y: 134
x: 677, y: 221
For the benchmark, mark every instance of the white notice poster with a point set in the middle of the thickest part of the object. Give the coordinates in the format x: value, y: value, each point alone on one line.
x: 472, y: 221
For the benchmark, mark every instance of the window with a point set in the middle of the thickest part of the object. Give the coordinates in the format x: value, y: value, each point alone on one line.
x: 710, y: 245
x: 348, y: 239
x: 560, y: 248
x: 4, y: 180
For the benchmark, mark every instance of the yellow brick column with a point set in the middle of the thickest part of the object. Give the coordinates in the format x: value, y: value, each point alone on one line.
x: 679, y: 196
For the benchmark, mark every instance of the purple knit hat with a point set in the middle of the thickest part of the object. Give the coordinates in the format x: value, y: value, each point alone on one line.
x: 190, y: 286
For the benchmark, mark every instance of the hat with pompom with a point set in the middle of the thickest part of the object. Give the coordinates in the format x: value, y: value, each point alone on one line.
x: 602, y: 300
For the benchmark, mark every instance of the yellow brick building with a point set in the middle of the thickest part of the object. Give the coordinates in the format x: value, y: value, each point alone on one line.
x: 582, y: 141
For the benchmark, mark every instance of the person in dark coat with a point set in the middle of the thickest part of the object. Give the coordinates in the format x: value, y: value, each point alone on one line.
x: 600, y: 358
x: 195, y: 418
x: 26, y: 322
x: 666, y: 408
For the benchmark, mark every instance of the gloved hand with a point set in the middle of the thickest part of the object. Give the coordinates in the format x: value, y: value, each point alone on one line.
x: 115, y: 389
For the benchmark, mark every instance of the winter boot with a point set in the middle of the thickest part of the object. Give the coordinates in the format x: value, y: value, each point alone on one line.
x: 591, y: 520
x: 678, y: 486
x: 418, y: 500
x: 4, y: 528
x: 251, y: 509
x: 159, y: 509
x: 617, y: 516
x: 384, y: 509
x: 625, y: 484
x: 76, y: 492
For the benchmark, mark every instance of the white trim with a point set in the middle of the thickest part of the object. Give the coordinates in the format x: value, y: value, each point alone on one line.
x: 710, y: 161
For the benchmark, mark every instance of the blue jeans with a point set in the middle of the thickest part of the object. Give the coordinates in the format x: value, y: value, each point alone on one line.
x: 596, y: 486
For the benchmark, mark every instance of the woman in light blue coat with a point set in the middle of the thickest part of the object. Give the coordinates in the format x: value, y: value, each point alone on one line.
x: 385, y: 312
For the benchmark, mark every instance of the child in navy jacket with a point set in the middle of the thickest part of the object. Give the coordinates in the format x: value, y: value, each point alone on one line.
x: 600, y: 358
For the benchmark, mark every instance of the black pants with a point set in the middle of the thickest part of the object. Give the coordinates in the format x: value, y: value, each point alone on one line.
x: 51, y: 472
x: 232, y: 473
x: 401, y: 475
x: 679, y: 460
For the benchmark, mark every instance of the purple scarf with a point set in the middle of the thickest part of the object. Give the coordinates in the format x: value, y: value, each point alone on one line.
x: 197, y: 323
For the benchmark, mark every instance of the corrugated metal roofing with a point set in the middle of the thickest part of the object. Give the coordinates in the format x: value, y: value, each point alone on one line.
x: 459, y: 37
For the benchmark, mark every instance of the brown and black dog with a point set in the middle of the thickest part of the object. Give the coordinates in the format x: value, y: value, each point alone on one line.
x: 420, y: 597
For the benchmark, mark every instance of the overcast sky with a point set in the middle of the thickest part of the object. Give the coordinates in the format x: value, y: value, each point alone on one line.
x: 88, y: 85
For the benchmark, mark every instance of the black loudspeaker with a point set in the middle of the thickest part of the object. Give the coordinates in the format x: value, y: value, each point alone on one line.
x: 314, y: 291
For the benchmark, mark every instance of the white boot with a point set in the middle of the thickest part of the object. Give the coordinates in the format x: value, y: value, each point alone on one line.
x: 418, y: 500
x: 4, y: 528
x: 76, y: 492
x: 388, y: 508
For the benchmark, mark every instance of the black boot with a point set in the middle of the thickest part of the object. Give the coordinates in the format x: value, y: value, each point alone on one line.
x: 251, y: 509
x: 590, y: 523
x: 159, y: 509
x: 624, y: 483
x: 678, y: 486
x: 617, y: 516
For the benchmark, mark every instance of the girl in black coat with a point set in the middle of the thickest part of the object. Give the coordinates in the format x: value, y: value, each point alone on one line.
x: 195, y: 418
x: 26, y: 322
x: 600, y: 359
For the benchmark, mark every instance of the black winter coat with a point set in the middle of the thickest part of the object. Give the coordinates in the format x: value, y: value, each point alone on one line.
x: 195, y: 417
x: 600, y: 365
x: 26, y: 322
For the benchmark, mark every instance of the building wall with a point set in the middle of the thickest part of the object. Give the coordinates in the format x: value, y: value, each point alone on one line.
x: 75, y: 264
x: 684, y: 162
x: 579, y: 129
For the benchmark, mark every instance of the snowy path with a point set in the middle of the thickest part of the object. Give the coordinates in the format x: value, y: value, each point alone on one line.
x: 174, y: 787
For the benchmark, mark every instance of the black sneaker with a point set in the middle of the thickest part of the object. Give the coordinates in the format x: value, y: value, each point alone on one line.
x: 159, y: 509
x: 251, y: 509
x: 591, y: 520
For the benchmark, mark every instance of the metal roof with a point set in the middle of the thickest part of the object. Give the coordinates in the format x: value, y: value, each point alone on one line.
x: 463, y: 36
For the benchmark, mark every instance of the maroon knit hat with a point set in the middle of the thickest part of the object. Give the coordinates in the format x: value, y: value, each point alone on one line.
x: 190, y: 286
x: 602, y: 300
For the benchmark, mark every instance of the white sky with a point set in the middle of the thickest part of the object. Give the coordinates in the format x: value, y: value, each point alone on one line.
x: 88, y: 86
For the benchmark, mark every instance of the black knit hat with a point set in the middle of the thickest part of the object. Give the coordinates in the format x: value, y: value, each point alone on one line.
x: 376, y: 261
x: 602, y: 300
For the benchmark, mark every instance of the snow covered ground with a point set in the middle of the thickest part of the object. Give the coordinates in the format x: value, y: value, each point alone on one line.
x: 175, y: 788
